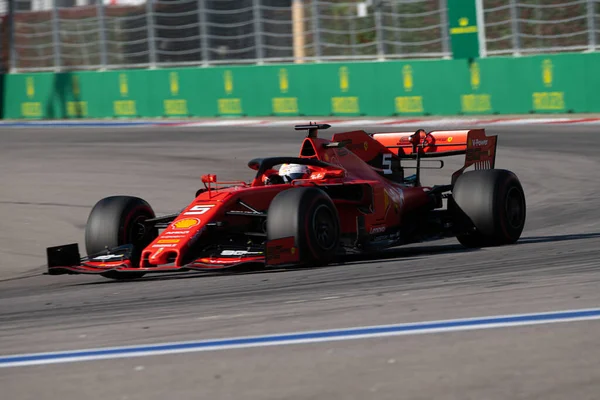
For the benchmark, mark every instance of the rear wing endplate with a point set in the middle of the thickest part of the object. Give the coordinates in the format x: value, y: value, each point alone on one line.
x: 480, y: 150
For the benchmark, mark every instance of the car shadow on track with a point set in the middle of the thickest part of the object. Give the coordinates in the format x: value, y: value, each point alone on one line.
x: 408, y: 253
x: 558, y: 238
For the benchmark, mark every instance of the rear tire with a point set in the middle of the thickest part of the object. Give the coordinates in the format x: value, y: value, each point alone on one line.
x: 309, y: 215
x: 117, y: 221
x: 492, y: 203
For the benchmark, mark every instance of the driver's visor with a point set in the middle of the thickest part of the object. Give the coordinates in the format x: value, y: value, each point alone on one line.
x: 291, y: 177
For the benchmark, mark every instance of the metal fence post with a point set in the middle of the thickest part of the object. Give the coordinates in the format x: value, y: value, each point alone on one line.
x: 151, y: 39
x: 591, y: 19
x: 257, y: 31
x: 12, y: 51
x: 481, y: 28
x: 102, y: 34
x: 315, y: 27
x: 56, y: 37
x: 443, y: 4
x: 514, y: 18
x: 379, y: 30
x: 203, y: 31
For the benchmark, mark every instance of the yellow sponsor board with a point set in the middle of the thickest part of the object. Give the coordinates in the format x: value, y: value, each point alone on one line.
x: 175, y: 107
x: 31, y: 109
x: 77, y: 108
x: 345, y: 105
x: 476, y: 102
x: 285, y: 105
x: 124, y: 107
x: 545, y: 101
x: 409, y: 104
x: 462, y: 30
x: 230, y: 106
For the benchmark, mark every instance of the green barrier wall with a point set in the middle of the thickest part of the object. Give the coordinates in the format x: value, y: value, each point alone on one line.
x: 538, y: 84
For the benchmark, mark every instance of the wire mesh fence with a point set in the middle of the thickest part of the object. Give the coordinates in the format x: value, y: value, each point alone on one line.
x: 534, y: 26
x: 104, y: 34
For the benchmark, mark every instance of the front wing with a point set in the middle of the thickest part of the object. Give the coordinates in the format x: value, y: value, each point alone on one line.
x: 66, y: 259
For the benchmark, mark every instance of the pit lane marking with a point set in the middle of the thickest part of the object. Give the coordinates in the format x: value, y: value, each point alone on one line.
x: 365, y: 332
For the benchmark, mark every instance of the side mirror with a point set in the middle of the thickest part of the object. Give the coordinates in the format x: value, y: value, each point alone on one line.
x: 210, y: 178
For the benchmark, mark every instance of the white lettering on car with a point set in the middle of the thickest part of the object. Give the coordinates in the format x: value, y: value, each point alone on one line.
x: 238, y: 252
x: 199, y: 209
x: 379, y: 229
x: 108, y: 257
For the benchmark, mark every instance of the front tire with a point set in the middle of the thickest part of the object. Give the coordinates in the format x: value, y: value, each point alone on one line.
x: 116, y: 221
x: 491, y: 203
x: 309, y: 215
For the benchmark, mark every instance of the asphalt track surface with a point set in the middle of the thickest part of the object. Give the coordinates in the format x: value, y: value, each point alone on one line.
x: 52, y: 177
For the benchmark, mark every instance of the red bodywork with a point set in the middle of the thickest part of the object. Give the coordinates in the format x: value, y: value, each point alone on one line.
x: 372, y: 196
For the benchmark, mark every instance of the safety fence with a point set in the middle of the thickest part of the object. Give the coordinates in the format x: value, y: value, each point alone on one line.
x: 496, y: 85
x: 541, y: 26
x: 61, y: 35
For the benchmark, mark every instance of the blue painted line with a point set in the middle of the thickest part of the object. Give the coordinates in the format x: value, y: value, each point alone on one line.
x: 301, y: 337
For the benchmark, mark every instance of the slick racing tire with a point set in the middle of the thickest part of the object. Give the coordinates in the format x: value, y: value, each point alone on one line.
x: 491, y: 204
x: 117, y: 221
x: 309, y: 215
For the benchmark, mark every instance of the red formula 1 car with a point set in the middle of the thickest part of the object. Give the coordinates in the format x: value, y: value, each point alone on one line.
x: 351, y: 195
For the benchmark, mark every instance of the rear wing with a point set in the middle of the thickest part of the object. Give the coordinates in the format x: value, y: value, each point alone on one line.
x: 480, y: 150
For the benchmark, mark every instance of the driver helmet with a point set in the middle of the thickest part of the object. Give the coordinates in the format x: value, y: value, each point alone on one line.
x: 289, y: 172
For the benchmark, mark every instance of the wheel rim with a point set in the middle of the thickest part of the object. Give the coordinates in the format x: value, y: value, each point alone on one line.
x: 515, y: 208
x: 324, y: 227
x: 137, y: 230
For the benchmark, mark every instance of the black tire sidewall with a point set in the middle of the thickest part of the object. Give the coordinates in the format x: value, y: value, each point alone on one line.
x: 111, y: 224
x: 480, y: 199
x: 291, y: 213
x: 504, y: 231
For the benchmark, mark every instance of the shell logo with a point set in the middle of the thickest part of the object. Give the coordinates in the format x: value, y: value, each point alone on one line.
x: 186, y: 223
x: 475, y: 76
x: 344, y: 79
x: 284, y: 83
x: 450, y: 139
x: 407, y: 78
x: 123, y: 85
x: 547, y: 72
x: 30, y: 86
x: 174, y: 83
x: 228, y: 81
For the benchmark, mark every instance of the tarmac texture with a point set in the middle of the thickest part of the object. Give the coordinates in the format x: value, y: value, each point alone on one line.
x: 51, y: 177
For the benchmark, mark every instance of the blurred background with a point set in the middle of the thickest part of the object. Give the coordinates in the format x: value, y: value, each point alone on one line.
x: 62, y: 35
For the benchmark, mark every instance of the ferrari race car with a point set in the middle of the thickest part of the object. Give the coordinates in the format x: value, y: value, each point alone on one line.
x: 351, y: 195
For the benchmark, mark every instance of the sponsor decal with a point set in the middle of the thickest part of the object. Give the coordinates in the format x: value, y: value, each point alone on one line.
x: 378, y: 229
x: 239, y: 253
x: 108, y: 257
x: 182, y: 233
x: 477, y: 142
x: 168, y: 241
x: 186, y: 223
x: 199, y: 209
x: 156, y: 246
x: 450, y: 139
x: 281, y: 251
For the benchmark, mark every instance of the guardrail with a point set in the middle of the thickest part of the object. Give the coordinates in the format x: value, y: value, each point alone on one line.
x: 537, y: 84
